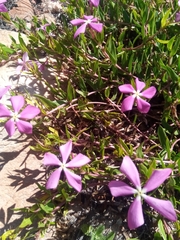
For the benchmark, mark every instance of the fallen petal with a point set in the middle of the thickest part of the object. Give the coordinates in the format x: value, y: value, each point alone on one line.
x: 139, y: 85
x: 73, y: 179
x: 156, y: 179
x: 78, y: 161
x: 17, y: 102
x: 142, y: 105
x: 10, y: 127
x: 126, y: 88
x: 29, y: 112
x: 149, y: 92
x: 130, y: 170
x: 51, y: 160
x: 135, y: 214
x: 24, y: 127
x: 127, y: 103
x: 119, y: 188
x: 164, y: 207
x: 65, y: 151
x: 53, y: 180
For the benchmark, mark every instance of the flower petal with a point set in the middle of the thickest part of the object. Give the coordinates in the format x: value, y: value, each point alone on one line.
x: 3, y: 1
x: 157, y: 178
x: 65, y: 151
x: 177, y: 17
x: 77, y: 21
x: 142, y: 105
x: 17, y: 102
x: 10, y: 127
x: 80, y: 30
x: 51, y: 160
x: 130, y: 170
x: 3, y: 8
x: 95, y: 3
x: 24, y: 127
x: 126, y: 88
x: 139, y: 85
x: 3, y: 91
x: 119, y: 188
x: 19, y: 69
x: 127, y: 103
x: 90, y: 17
x: 164, y: 207
x: 53, y: 180
x: 78, y: 161
x: 73, y: 179
x: 135, y: 214
x: 25, y: 57
x: 4, y: 112
x: 149, y: 92
x: 98, y: 27
x: 29, y: 112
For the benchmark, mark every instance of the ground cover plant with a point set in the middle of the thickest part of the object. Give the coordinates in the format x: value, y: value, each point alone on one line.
x: 112, y: 121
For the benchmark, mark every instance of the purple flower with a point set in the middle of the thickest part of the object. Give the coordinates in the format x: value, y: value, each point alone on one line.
x: 177, y: 17
x: 87, y: 21
x: 2, y: 7
x: 3, y: 90
x: 135, y: 213
x: 95, y: 3
x: 23, y: 64
x: 16, y: 117
x: 43, y: 27
x: 142, y: 105
x: 78, y: 161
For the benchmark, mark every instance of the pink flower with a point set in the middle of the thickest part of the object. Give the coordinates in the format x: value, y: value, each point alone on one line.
x: 2, y: 7
x: 23, y: 64
x: 16, y: 117
x: 3, y: 90
x: 43, y: 27
x: 88, y: 21
x: 128, y: 102
x: 78, y: 161
x: 135, y: 213
x: 95, y: 3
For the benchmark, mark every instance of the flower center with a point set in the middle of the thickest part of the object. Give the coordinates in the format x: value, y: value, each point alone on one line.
x: 140, y: 192
x: 15, y: 116
x: 137, y: 94
x: 88, y: 21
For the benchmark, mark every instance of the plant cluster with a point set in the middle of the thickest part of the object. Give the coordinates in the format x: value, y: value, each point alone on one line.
x: 115, y: 103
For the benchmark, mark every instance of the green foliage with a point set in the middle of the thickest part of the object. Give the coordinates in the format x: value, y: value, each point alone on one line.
x: 140, y: 39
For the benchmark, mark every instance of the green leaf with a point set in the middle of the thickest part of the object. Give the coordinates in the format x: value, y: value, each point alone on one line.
x: 8, y: 234
x: 70, y: 92
x: 48, y: 208
x: 161, y: 230
x: 165, y: 17
x: 111, y: 50
x: 26, y: 222
x: 48, y: 103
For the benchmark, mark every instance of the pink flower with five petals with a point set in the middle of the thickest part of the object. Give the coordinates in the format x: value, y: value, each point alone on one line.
x: 135, y: 213
x: 88, y: 21
x: 73, y: 179
x: 16, y: 117
x: 137, y: 95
